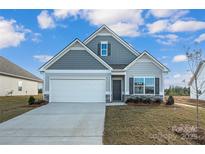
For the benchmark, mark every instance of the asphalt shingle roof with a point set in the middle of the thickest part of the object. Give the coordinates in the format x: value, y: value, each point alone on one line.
x: 10, y: 69
x: 118, y: 66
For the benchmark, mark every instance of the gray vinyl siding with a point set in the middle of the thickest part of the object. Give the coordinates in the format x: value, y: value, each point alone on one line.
x: 144, y: 69
x: 48, y: 75
x: 77, y: 60
x: 119, y: 53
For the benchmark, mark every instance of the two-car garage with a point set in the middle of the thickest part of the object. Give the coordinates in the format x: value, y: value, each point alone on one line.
x: 77, y: 90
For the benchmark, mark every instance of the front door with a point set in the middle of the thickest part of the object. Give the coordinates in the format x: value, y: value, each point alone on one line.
x: 116, y: 90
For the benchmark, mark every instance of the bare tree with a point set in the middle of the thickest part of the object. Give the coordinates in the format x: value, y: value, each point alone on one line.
x: 194, y: 57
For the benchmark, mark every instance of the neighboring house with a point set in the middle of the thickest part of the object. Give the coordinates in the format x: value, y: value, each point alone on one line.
x: 15, y: 81
x: 200, y: 73
x: 102, y: 68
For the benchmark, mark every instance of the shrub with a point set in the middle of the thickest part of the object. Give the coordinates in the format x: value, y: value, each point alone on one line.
x: 137, y: 100
x: 140, y: 99
x: 31, y: 100
x: 146, y: 100
x: 129, y: 100
x: 170, y: 100
x: 40, y: 91
x: 158, y: 101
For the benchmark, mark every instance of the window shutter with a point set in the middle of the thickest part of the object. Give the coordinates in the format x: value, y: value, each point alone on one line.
x: 131, y: 86
x: 109, y: 49
x: 157, y: 86
x: 98, y: 49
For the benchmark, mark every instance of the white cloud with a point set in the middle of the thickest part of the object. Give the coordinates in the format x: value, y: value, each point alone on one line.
x: 124, y: 29
x: 164, y: 58
x: 11, y: 34
x: 36, y: 37
x: 179, y: 58
x: 184, y: 26
x: 62, y: 14
x: 178, y: 79
x: 157, y: 26
x: 175, y: 26
x: 123, y: 22
x: 168, y: 39
x: 165, y: 64
x: 200, y: 39
x: 42, y: 58
x: 164, y: 13
x: 45, y: 20
x: 177, y: 75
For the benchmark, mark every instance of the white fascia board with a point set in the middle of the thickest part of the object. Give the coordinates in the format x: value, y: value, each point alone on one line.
x: 77, y: 78
x: 198, y: 73
x: 118, y: 73
x: 56, y: 57
x: 115, y: 36
x: 21, y: 77
x: 77, y: 71
x: 67, y: 49
x: 154, y: 60
x: 201, y: 69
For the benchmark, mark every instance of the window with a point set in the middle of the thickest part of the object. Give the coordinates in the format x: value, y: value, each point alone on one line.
x: 149, y: 85
x: 20, y: 86
x: 144, y: 85
x: 139, y: 85
x: 104, y: 48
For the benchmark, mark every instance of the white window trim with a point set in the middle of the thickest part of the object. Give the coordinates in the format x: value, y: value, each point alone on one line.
x: 120, y: 40
x: 103, y: 42
x: 144, y: 84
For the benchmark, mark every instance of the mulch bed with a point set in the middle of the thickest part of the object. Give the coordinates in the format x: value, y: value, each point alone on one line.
x: 25, y: 106
x: 142, y: 104
x: 35, y: 105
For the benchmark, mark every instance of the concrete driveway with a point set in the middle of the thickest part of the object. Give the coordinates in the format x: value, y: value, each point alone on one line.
x: 56, y: 123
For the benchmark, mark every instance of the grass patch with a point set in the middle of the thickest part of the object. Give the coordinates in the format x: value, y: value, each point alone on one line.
x: 12, y: 106
x: 147, y: 124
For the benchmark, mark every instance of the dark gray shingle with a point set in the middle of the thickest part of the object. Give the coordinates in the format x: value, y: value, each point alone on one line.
x: 118, y: 66
x: 11, y: 69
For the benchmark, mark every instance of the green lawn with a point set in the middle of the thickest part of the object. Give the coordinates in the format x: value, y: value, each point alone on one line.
x: 12, y: 106
x: 147, y: 124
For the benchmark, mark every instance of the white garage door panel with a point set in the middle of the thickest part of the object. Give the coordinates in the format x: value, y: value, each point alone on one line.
x: 86, y: 90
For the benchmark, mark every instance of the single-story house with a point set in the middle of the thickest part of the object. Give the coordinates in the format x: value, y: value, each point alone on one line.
x: 102, y: 68
x: 200, y: 73
x: 15, y: 81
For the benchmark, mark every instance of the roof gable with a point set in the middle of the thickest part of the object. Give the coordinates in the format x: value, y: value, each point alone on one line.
x: 77, y: 60
x: 198, y: 71
x: 75, y: 45
x: 147, y: 58
x: 105, y: 31
x: 10, y: 69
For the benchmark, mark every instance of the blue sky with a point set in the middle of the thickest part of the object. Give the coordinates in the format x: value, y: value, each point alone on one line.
x: 30, y: 37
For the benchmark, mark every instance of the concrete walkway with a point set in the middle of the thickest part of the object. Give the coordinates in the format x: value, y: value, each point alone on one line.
x: 56, y: 123
x: 116, y: 104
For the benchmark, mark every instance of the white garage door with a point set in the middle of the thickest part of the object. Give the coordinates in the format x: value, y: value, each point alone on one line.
x: 77, y: 90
